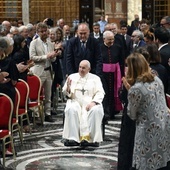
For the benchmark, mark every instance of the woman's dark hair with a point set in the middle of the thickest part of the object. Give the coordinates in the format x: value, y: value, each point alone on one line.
x: 154, y: 53
x: 61, y: 31
x: 144, y: 52
x: 18, y: 39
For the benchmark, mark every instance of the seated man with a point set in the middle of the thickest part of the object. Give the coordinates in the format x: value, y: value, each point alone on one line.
x: 84, y: 111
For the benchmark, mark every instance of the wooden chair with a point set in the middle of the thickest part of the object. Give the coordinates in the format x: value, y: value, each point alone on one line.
x: 15, y: 120
x: 34, y: 103
x: 6, y: 111
x: 23, y: 89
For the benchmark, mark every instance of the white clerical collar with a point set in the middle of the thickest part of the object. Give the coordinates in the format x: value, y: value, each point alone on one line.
x: 96, y: 34
x: 85, y: 77
x: 162, y: 46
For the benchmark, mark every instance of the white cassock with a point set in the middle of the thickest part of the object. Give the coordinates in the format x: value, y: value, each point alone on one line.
x: 79, y: 123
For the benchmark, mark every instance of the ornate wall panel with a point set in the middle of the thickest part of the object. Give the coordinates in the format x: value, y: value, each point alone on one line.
x: 161, y: 9
x: 55, y: 9
x: 147, y: 10
x: 10, y: 10
x: 116, y: 10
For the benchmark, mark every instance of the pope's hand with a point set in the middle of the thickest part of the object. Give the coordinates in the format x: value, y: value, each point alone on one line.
x: 90, y: 105
x: 68, y: 84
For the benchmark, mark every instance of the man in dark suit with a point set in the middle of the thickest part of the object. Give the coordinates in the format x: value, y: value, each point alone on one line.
x: 83, y: 47
x: 66, y: 33
x: 134, y: 25
x: 96, y: 31
x: 129, y: 43
x: 162, y: 36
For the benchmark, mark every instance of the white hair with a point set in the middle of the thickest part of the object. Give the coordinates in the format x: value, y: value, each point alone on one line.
x: 22, y: 28
x: 107, y: 34
x: 139, y: 34
x: 9, y: 40
x: 87, y: 63
x: 14, y: 28
x: 29, y: 27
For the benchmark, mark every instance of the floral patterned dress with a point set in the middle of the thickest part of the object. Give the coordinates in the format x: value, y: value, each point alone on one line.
x: 147, y: 106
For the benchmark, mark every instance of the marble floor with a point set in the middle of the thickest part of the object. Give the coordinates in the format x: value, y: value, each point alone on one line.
x: 44, y: 150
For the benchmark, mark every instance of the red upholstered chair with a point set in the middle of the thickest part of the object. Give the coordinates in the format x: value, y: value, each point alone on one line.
x: 23, y: 89
x: 168, y: 100
x: 15, y: 121
x: 34, y: 103
x: 6, y: 111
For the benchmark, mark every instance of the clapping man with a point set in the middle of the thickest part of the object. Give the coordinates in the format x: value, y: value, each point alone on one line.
x: 42, y: 52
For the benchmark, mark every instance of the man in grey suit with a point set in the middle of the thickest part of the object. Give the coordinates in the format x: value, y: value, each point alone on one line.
x: 42, y: 52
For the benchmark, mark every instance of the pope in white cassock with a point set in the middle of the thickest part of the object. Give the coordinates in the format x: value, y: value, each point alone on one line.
x: 84, y: 110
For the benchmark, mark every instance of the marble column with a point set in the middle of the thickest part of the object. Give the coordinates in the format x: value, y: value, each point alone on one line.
x: 134, y: 7
x: 25, y: 11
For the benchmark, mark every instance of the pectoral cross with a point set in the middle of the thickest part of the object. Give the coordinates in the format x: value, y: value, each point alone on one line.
x: 82, y: 90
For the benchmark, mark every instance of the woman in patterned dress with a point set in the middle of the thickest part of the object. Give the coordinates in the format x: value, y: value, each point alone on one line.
x: 147, y: 105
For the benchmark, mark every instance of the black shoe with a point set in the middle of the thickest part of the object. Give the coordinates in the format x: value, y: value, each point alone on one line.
x: 48, y: 119
x: 53, y: 112
x: 95, y: 144
x: 112, y: 117
x: 84, y: 143
x: 71, y: 143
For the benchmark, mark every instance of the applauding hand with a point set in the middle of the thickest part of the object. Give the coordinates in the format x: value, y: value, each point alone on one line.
x: 125, y: 83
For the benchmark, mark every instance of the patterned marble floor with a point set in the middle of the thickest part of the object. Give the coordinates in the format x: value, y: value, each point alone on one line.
x: 44, y: 150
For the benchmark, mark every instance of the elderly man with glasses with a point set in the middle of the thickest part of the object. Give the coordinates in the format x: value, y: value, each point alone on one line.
x: 138, y: 39
x: 165, y: 22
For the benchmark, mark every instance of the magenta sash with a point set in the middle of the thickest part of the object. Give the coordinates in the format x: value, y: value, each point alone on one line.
x: 109, y: 67
x: 115, y: 68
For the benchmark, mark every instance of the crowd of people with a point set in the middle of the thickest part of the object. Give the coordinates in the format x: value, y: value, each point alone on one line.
x: 90, y: 66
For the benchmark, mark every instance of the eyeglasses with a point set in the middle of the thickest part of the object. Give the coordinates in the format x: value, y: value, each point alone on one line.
x: 133, y: 36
